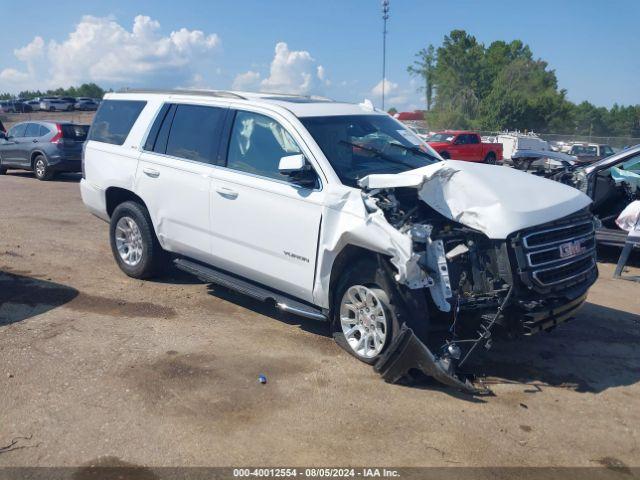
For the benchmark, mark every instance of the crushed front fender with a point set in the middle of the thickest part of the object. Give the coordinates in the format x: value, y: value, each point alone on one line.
x: 407, y: 352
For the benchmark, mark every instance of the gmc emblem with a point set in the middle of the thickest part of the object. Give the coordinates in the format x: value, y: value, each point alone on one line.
x: 571, y: 249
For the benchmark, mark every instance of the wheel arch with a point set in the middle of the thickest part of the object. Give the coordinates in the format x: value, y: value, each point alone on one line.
x: 114, y: 196
x: 348, y: 256
x: 33, y: 156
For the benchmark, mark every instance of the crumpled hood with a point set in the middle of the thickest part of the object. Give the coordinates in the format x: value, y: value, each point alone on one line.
x: 493, y: 199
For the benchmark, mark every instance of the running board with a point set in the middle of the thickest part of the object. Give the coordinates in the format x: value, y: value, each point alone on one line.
x: 283, y: 302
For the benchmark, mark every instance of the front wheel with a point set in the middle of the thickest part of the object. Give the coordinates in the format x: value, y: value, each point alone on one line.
x: 134, y: 243
x: 364, y: 320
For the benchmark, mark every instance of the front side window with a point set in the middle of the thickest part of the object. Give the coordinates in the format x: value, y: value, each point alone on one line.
x: 361, y: 145
x: 114, y: 119
x: 257, y: 144
x: 195, y: 133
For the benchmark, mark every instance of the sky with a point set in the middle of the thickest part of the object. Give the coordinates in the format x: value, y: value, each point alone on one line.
x: 324, y: 47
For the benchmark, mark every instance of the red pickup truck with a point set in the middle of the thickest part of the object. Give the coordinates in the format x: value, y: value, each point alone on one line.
x: 463, y: 145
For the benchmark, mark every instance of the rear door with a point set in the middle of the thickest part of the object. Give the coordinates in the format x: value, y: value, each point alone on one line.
x: 174, y: 175
x: 264, y: 226
x: 28, y: 144
x: 474, y: 148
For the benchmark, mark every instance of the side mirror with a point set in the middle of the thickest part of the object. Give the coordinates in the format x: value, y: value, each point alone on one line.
x: 298, y: 170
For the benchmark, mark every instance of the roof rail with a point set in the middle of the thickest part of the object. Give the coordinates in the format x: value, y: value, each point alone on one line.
x: 184, y: 91
x: 293, y: 95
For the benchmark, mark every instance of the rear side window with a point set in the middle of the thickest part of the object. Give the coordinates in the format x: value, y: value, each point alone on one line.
x: 75, y: 132
x: 114, y: 120
x: 195, y: 133
x: 33, y: 130
x: 43, y: 131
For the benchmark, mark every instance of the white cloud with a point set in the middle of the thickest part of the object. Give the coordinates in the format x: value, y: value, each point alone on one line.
x: 389, y: 87
x: 103, y: 51
x: 246, y: 81
x: 294, y: 71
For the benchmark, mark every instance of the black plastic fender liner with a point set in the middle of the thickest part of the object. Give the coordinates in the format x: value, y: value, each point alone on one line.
x: 407, y: 352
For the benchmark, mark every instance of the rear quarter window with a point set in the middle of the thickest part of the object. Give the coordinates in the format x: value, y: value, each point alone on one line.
x: 75, y: 132
x: 114, y: 120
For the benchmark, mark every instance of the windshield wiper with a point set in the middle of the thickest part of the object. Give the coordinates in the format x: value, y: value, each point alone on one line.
x: 415, y: 150
x: 377, y: 153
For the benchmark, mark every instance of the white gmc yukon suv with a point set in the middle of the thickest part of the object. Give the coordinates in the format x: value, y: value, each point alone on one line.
x: 338, y: 212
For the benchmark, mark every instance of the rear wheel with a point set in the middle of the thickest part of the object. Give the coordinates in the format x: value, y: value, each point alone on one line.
x: 364, y: 320
x: 445, y: 155
x: 490, y: 158
x: 41, y: 168
x: 3, y: 170
x: 134, y: 243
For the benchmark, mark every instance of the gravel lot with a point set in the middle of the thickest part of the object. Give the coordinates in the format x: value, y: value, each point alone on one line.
x: 96, y: 365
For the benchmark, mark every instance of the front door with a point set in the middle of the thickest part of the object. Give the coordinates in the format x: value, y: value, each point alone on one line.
x: 264, y: 226
x: 10, y: 149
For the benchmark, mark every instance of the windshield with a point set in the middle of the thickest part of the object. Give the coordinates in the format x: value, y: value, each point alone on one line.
x: 441, y: 137
x: 361, y: 145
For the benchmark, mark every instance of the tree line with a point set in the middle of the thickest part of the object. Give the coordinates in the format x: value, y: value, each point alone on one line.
x: 503, y: 87
x: 90, y: 90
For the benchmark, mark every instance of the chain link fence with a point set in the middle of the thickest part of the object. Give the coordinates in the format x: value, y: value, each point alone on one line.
x: 616, y: 143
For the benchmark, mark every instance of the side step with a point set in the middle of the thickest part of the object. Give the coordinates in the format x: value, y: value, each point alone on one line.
x: 283, y: 302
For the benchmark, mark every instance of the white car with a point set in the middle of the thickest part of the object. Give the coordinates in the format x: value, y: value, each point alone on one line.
x: 338, y: 212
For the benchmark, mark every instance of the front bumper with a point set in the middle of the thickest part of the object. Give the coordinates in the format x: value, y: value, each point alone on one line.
x: 407, y: 353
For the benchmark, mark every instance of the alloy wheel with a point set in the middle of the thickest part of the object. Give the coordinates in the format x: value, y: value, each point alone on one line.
x: 129, y: 241
x: 363, y: 321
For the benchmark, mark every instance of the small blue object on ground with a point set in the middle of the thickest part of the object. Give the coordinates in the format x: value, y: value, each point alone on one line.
x: 262, y: 379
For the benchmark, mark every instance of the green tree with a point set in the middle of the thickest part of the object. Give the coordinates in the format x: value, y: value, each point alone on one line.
x: 424, y: 68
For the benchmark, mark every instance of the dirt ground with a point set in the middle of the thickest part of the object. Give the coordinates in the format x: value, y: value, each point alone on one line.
x: 96, y: 365
x: 10, y: 119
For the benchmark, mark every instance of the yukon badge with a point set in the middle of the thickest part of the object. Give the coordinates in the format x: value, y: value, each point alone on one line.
x: 571, y: 249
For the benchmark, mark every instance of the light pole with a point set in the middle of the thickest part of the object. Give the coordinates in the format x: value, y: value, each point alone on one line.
x: 385, y: 17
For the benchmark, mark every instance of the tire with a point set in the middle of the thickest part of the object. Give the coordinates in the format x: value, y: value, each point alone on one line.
x: 52, y: 109
x: 3, y: 170
x: 490, y: 159
x: 41, y: 168
x: 376, y: 326
x: 445, y: 155
x: 134, y: 243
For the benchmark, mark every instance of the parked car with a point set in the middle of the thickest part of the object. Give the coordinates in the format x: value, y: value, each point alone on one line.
x: 7, y: 106
x: 57, y: 104
x: 85, y: 103
x: 22, y: 106
x: 45, y: 148
x: 338, y: 212
x: 590, y: 152
x: 33, y: 103
x: 612, y: 183
x: 463, y: 145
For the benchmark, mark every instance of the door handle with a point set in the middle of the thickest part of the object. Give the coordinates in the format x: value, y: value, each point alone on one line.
x: 151, y: 172
x: 35, y: 140
x: 227, y: 192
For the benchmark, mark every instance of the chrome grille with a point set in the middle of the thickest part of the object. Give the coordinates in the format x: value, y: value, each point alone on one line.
x: 555, y: 255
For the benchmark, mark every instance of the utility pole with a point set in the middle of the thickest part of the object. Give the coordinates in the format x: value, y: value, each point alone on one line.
x: 385, y: 17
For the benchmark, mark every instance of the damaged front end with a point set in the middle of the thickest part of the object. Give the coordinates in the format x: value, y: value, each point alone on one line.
x: 474, y: 286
